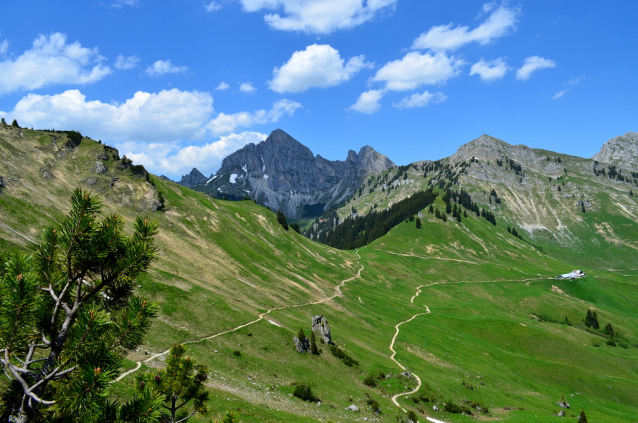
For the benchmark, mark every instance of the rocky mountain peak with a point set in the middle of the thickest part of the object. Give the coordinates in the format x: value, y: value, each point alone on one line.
x: 195, y: 177
x: 621, y: 151
x: 284, y: 174
x: 487, y: 147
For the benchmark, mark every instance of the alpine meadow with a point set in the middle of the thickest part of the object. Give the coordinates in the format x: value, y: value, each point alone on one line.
x: 251, y: 211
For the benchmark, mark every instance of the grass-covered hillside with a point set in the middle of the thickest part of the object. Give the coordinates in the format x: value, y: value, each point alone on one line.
x: 472, y: 313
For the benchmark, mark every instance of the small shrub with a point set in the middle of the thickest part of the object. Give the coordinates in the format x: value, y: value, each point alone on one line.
x: 304, y: 392
x: 381, y: 375
x: 411, y: 415
x: 229, y: 417
x: 370, y: 380
x: 340, y: 354
x: 374, y: 404
x: 450, y: 407
x: 236, y: 353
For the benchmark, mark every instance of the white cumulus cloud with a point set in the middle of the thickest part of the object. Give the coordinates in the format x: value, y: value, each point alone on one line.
x: 247, y: 88
x: 151, y: 117
x: 316, y: 66
x: 52, y: 61
x: 420, y: 100
x: 368, y: 102
x: 222, y: 86
x: 446, y: 37
x: 318, y: 16
x: 227, y: 123
x: 416, y: 69
x: 532, y: 64
x: 162, y: 67
x: 212, y: 6
x: 489, y: 70
x: 124, y: 63
x: 173, y: 160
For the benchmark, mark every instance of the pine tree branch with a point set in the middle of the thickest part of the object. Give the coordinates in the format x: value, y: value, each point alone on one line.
x: 186, y: 418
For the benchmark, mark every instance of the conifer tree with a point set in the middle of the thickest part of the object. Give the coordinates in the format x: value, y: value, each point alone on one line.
x: 465, y: 214
x: 180, y: 384
x: 444, y: 217
x: 609, y: 330
x: 2, y: 121
x: 68, y: 315
x: 313, y: 344
x: 15, y: 123
x: 582, y: 418
x: 281, y: 218
x: 418, y: 223
x: 594, y: 321
x: 588, y: 319
x: 301, y: 336
x: 431, y: 210
x: 458, y: 217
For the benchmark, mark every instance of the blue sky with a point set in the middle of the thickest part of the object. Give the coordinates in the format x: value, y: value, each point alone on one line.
x: 176, y: 85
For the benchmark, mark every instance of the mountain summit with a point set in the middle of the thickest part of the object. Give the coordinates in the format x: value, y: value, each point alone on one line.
x: 621, y: 151
x: 284, y: 174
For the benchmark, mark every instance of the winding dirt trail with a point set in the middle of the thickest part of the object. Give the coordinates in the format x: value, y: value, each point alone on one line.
x: 261, y: 316
x: 394, y: 353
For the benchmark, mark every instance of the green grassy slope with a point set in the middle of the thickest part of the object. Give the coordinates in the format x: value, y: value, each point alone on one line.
x: 225, y: 264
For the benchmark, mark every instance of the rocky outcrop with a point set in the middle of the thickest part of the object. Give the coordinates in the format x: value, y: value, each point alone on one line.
x: 100, y: 167
x: 301, y: 345
x: 283, y: 174
x: 195, y: 177
x: 321, y: 327
x: 621, y: 151
x: 1, y: 184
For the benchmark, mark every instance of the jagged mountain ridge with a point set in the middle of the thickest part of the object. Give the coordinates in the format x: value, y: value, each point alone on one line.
x: 283, y: 174
x: 556, y: 200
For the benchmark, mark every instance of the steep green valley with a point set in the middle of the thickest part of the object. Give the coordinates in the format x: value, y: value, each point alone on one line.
x: 474, y: 314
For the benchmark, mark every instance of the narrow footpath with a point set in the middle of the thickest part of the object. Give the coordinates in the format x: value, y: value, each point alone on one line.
x: 260, y: 317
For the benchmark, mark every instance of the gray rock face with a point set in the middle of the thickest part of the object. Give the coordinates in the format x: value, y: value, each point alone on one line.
x: 1, y: 183
x: 301, y: 346
x: 283, y: 174
x: 195, y: 177
x: 100, y: 168
x: 621, y: 151
x: 321, y: 327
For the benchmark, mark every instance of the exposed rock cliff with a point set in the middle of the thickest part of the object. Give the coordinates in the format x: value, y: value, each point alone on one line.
x: 621, y: 151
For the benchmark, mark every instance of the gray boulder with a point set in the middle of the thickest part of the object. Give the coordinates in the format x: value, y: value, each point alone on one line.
x: 352, y: 408
x: 302, y: 345
x: 100, y: 168
x: 321, y: 327
x: 563, y: 404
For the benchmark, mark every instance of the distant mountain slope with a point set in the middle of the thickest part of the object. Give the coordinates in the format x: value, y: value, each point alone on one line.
x: 283, y: 174
x: 562, y: 202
